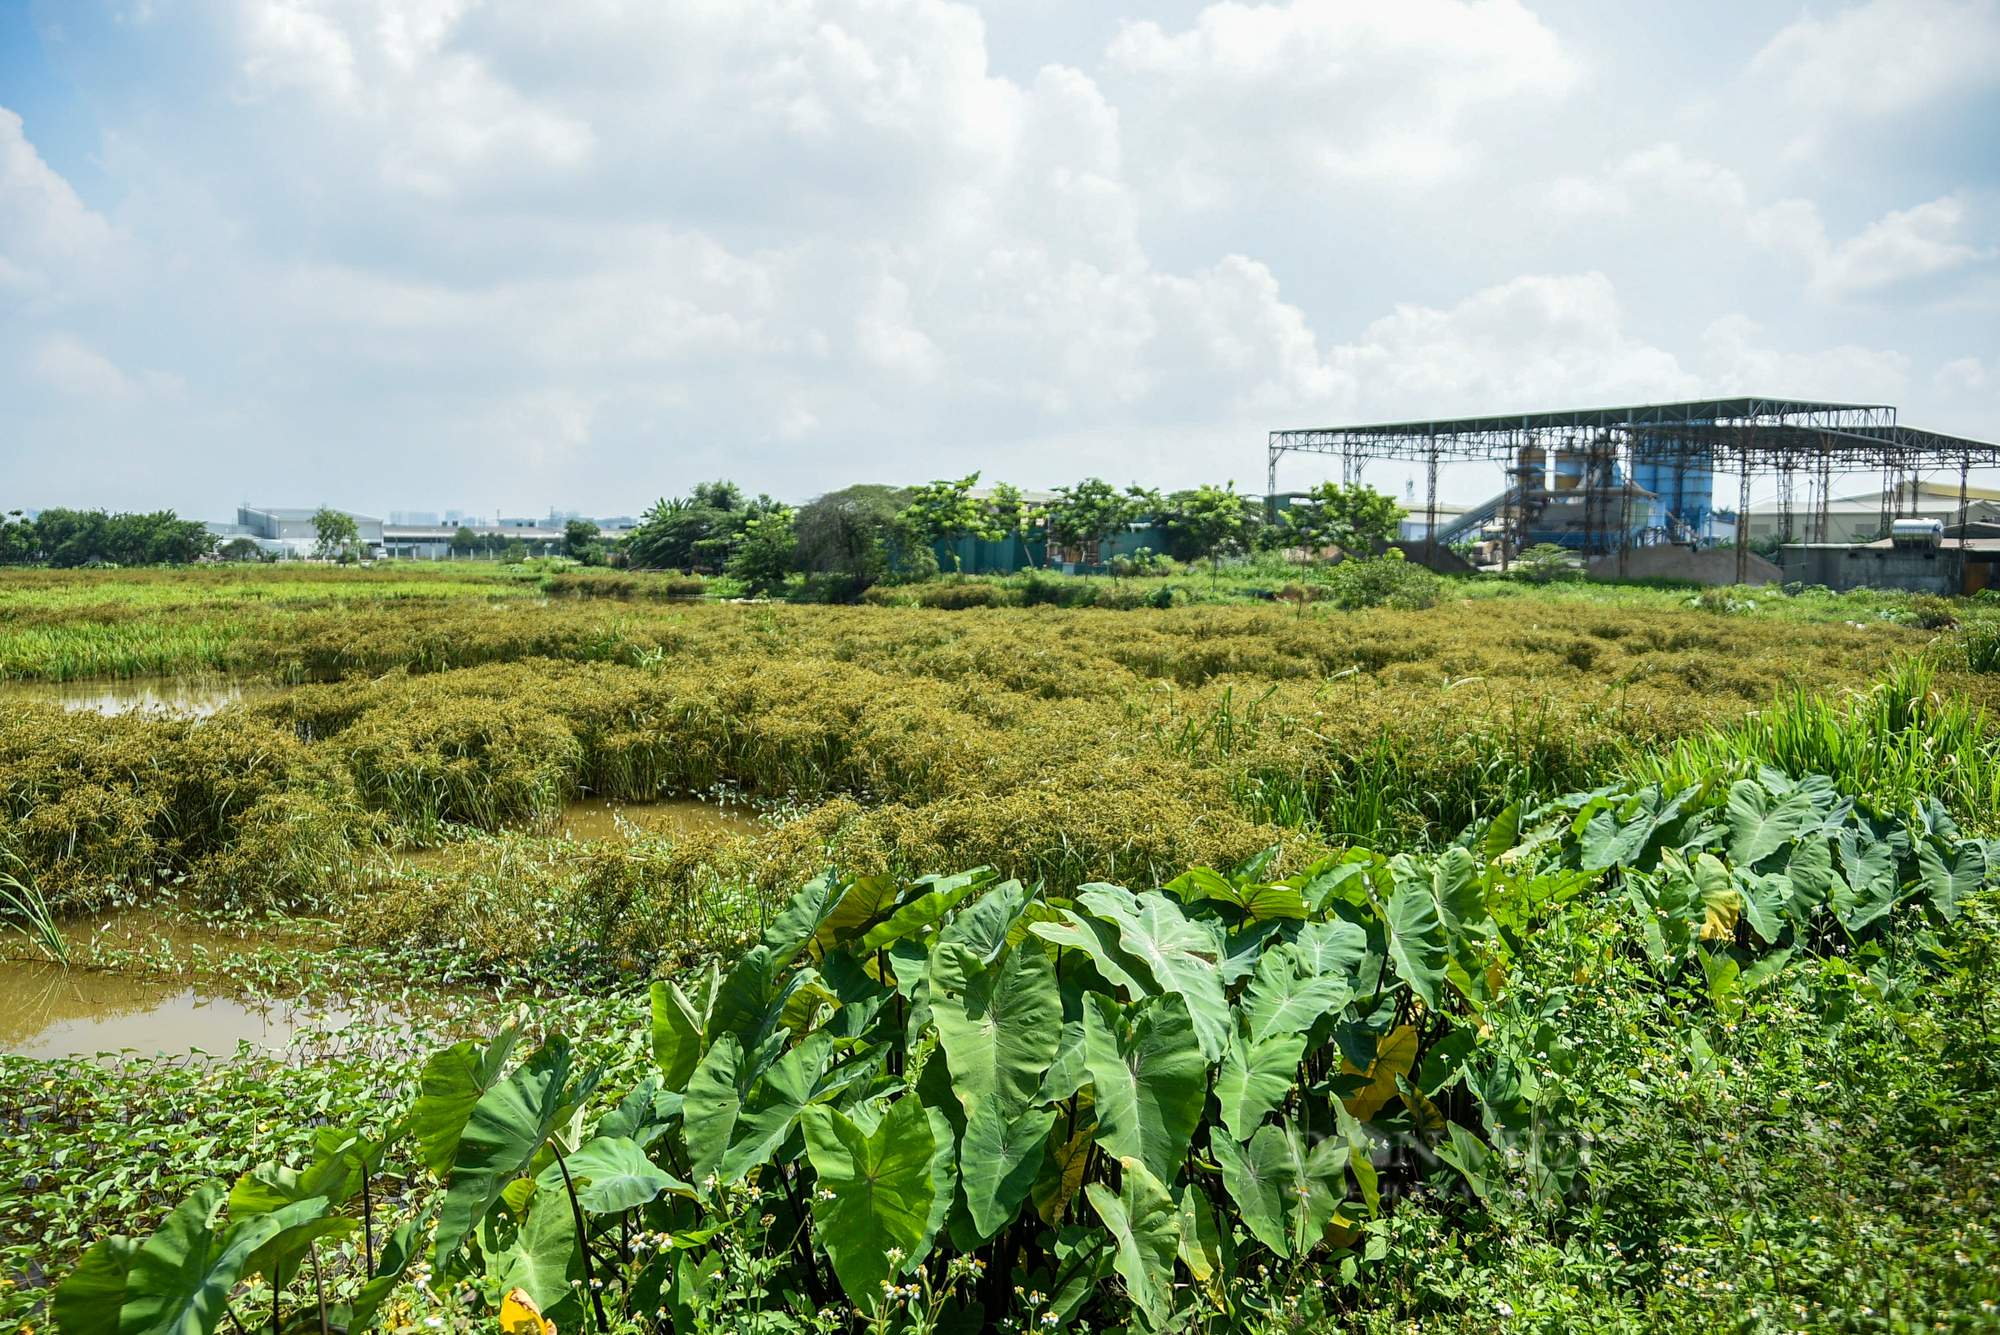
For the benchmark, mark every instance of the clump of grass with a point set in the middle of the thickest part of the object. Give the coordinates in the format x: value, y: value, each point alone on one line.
x: 1981, y: 643
x: 23, y: 899
x: 1897, y: 743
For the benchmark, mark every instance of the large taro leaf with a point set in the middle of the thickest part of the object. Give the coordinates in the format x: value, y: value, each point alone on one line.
x: 862, y: 902
x: 1000, y: 1160
x: 944, y: 1179
x: 1759, y: 827
x: 545, y: 1260
x: 1810, y: 870
x: 1064, y: 1160
x: 1619, y: 836
x: 1334, y: 948
x: 939, y: 896
x: 752, y: 997
x: 1150, y: 1077
x: 715, y: 1096
x: 508, y: 1124
x: 1473, y: 1159
x: 676, y: 1035
x: 875, y: 1192
x: 179, y: 1279
x: 1180, y: 953
x: 87, y: 1302
x: 1417, y: 938
x: 1067, y: 1073
x: 985, y: 927
x: 1258, y: 901
x: 1869, y: 864
x: 1259, y: 1178
x: 802, y: 918
x: 1282, y: 1001
x: 1145, y: 1233
x: 643, y: 1114
x: 1001, y: 1027
x: 1951, y: 873
x: 453, y: 1081
x: 1394, y: 1056
x: 792, y: 1082
x: 1202, y: 1245
x: 1099, y: 940
x: 279, y: 1257
x: 612, y: 1174
x: 1254, y: 1079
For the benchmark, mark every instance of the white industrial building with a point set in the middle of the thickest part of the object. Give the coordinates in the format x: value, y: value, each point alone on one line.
x: 1859, y: 518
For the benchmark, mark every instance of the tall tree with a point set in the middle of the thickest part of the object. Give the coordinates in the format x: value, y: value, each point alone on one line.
x: 337, y: 533
x: 945, y: 511
x: 1209, y: 520
x: 1352, y: 518
x: 1092, y: 511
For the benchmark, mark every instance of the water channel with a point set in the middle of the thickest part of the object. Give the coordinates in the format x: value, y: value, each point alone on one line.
x: 170, y: 695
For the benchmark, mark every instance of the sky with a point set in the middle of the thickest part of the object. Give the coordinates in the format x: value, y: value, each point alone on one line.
x: 505, y: 256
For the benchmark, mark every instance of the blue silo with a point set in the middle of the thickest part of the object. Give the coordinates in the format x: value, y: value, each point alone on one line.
x: 1686, y: 488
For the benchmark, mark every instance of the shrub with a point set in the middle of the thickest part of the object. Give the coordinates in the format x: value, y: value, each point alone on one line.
x: 1546, y: 562
x: 1982, y: 647
x: 1384, y: 581
x: 1930, y: 612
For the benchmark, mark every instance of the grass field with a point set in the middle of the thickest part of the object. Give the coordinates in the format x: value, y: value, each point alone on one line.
x: 1811, y: 1150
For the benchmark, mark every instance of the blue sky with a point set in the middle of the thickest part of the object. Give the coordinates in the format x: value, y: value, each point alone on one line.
x: 500, y: 256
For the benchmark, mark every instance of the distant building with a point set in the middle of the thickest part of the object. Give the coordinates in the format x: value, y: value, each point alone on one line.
x: 414, y: 518
x: 1859, y: 518
x: 291, y: 533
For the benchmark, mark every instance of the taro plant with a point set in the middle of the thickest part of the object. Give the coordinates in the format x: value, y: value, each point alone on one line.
x: 956, y: 1103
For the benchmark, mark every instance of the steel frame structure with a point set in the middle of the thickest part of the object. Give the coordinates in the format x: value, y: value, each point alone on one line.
x: 1746, y: 436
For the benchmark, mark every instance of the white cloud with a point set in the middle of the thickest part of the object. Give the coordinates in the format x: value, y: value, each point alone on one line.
x: 67, y: 366
x: 41, y: 216
x: 1663, y: 173
x: 1341, y: 88
x: 1885, y: 56
x: 1537, y: 341
x: 1900, y: 247
x: 1965, y: 373
x: 1844, y: 374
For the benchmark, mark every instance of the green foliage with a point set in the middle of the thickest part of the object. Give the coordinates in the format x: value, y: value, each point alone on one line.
x: 697, y: 532
x: 1388, y: 580
x: 1091, y: 511
x: 1353, y: 518
x: 1209, y: 521
x: 337, y: 533
x: 766, y: 556
x: 69, y: 538
x: 943, y: 511
x: 1546, y: 562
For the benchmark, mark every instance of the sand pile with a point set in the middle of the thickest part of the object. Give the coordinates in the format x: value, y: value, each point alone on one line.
x: 1710, y: 565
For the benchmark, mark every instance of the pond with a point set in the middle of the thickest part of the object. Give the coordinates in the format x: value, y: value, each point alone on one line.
x: 171, y: 695
x: 49, y: 1011
x: 596, y: 819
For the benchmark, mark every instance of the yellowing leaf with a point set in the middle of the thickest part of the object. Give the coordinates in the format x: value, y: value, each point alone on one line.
x: 520, y: 1316
x: 1718, y: 896
x: 1396, y: 1055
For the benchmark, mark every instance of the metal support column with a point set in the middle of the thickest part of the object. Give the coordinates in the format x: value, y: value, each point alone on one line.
x: 1625, y: 507
x: 1431, y: 506
x: 1824, y: 520
x: 1964, y: 496
x: 1271, y: 453
x: 1743, y: 513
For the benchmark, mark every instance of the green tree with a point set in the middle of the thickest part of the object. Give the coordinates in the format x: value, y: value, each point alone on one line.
x: 1092, y: 511
x: 515, y: 552
x: 464, y: 541
x: 768, y: 553
x: 1208, y: 520
x: 75, y: 537
x: 337, y: 533
x: 240, y: 549
x: 580, y: 542
x: 945, y: 511
x: 847, y: 538
x: 19, y: 543
x: 1352, y: 518
x: 694, y: 532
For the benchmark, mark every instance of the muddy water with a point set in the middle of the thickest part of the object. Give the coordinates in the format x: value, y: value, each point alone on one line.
x: 199, y: 695
x: 602, y: 819
x: 50, y: 1011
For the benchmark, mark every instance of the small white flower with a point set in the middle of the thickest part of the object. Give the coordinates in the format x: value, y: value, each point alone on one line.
x: 1503, y: 1308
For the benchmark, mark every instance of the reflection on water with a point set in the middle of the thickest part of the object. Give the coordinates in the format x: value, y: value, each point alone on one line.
x: 197, y: 695
x: 604, y: 819
x: 48, y: 1011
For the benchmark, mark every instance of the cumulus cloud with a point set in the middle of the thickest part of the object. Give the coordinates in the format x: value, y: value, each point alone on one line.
x: 1339, y: 88
x: 1885, y: 56
x: 1736, y: 365
x: 1902, y: 246
x: 1663, y: 173
x: 41, y: 217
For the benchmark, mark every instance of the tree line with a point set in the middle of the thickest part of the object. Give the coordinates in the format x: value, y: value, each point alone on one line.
x: 846, y: 540
x: 70, y: 538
